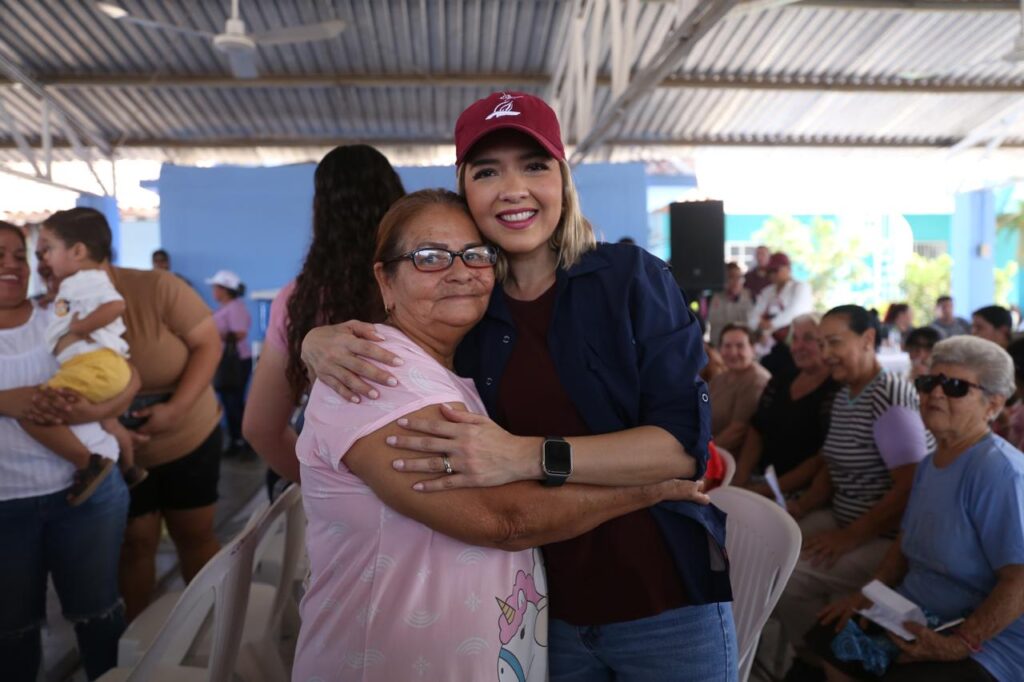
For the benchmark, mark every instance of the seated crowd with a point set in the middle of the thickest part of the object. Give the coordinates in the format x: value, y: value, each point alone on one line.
x: 915, y: 480
x: 414, y: 376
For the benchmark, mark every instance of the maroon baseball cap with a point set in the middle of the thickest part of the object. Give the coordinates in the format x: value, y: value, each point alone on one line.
x: 778, y: 260
x: 508, y: 111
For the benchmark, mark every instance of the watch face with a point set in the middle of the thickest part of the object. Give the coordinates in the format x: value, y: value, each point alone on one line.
x: 557, y: 458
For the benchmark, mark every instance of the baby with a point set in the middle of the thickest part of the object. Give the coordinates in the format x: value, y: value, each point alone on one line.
x: 85, y: 337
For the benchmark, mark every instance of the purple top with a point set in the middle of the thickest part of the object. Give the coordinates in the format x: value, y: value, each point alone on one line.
x: 234, y: 317
x: 900, y: 436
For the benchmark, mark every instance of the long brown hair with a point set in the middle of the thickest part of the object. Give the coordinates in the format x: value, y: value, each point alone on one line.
x: 354, y: 187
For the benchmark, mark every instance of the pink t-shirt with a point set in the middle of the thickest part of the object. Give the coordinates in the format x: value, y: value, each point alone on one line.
x: 277, y: 325
x: 389, y: 598
x: 233, y: 316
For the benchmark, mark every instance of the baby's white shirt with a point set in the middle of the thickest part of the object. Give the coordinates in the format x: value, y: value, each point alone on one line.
x: 82, y: 293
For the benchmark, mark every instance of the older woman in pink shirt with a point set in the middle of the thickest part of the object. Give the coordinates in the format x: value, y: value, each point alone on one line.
x: 431, y: 587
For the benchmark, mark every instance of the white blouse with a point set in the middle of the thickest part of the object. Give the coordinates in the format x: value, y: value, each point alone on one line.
x: 27, y: 469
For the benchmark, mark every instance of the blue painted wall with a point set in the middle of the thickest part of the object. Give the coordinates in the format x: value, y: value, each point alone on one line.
x: 256, y: 221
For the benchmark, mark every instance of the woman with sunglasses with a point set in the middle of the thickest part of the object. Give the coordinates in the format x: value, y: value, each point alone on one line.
x: 436, y: 587
x: 852, y: 509
x: 587, y: 362
x: 960, y: 553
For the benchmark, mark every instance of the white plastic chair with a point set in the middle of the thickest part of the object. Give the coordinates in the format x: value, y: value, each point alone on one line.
x: 763, y: 543
x: 222, y: 585
x: 270, y: 605
x: 730, y: 465
x: 255, y: 614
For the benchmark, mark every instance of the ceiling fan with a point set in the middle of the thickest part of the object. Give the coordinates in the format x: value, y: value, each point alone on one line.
x: 234, y: 42
x: 1014, y: 57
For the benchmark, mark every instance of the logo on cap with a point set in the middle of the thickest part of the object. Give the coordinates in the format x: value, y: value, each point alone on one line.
x: 504, y: 107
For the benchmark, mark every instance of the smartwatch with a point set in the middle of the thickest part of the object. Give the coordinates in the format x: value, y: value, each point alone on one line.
x: 556, y: 460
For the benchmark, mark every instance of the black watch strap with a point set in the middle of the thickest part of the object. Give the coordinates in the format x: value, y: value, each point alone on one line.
x: 556, y: 460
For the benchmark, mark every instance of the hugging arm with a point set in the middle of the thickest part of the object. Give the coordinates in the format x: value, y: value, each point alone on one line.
x: 669, y: 442
x: 511, y: 517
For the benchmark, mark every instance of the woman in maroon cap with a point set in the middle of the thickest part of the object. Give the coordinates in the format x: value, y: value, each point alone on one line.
x: 587, y: 361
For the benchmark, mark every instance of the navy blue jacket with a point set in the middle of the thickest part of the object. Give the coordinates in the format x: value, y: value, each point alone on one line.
x: 628, y: 351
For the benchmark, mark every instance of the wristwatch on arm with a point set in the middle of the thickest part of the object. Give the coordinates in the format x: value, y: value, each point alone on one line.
x: 556, y: 460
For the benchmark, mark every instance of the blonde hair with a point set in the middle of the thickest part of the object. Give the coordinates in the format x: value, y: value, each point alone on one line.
x: 573, y: 236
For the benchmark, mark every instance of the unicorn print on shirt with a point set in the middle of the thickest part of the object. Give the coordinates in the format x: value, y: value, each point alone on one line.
x: 522, y: 624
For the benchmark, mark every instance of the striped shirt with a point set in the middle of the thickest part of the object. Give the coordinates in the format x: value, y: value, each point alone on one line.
x: 879, y: 430
x: 27, y: 469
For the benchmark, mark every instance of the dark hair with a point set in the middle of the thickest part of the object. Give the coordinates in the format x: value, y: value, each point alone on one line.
x: 85, y: 226
x: 925, y: 337
x: 161, y: 253
x: 354, y: 185
x: 995, y: 315
x: 14, y: 228
x: 734, y: 327
x: 402, y: 212
x: 1016, y: 351
x: 733, y: 265
x: 942, y: 299
x: 234, y: 293
x: 894, y: 311
x: 858, y: 320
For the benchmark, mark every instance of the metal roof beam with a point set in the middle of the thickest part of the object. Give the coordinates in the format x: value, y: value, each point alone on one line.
x: 55, y: 101
x: 44, y: 181
x: 723, y: 140
x: 701, y: 81
x: 917, y: 5
x: 677, y: 45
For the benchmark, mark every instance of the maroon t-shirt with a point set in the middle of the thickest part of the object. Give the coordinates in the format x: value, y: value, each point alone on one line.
x: 619, y: 571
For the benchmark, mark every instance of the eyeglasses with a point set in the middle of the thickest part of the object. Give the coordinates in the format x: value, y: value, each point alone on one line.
x: 953, y: 388
x: 434, y: 259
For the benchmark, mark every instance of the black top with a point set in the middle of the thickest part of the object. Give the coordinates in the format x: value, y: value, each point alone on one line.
x: 792, y: 431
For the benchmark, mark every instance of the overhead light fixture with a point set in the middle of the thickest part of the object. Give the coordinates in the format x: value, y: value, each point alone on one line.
x: 112, y: 11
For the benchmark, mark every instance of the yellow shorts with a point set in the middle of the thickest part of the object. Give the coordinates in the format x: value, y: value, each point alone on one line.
x: 98, y: 375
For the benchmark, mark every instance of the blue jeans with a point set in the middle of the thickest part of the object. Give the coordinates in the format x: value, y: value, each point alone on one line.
x: 79, y: 547
x: 691, y: 644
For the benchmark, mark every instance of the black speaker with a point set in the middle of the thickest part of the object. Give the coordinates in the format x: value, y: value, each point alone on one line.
x: 698, y: 245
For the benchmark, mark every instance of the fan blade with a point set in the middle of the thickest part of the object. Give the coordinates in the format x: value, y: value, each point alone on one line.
x: 243, y: 63
x: 305, y: 33
x: 119, y: 14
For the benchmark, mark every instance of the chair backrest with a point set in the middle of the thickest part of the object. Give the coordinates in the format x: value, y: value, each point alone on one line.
x: 763, y: 543
x: 730, y: 465
x: 227, y: 577
x: 288, y: 503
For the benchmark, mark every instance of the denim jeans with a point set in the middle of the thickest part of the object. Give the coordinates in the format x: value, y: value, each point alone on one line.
x: 79, y: 548
x: 690, y: 644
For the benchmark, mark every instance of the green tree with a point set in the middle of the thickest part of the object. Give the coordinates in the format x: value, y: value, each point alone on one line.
x: 1004, y: 282
x: 1013, y: 222
x: 924, y: 280
x: 818, y: 249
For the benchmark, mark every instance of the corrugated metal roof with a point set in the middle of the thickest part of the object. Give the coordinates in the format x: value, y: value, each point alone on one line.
x: 798, y: 74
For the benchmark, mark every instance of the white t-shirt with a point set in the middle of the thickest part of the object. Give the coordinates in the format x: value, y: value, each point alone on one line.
x: 82, y: 293
x: 27, y: 469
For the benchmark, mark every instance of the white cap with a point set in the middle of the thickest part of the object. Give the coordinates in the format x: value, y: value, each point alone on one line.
x: 226, y: 279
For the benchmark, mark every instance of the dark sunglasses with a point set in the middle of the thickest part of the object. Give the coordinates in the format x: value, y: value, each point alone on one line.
x: 434, y: 259
x: 953, y: 388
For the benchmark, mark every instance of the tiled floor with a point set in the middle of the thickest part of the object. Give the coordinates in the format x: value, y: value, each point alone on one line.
x: 241, y: 491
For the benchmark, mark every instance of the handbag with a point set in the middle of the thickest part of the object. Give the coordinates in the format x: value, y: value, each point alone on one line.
x: 229, y: 375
